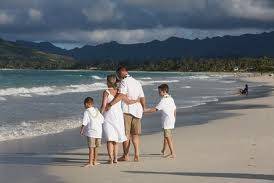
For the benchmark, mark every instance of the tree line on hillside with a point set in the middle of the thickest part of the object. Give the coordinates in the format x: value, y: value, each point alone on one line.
x: 263, y: 64
x: 36, y: 62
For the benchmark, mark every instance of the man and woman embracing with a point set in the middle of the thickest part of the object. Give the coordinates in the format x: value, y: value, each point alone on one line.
x: 123, y: 104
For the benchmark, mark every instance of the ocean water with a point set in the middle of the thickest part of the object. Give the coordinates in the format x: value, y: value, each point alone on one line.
x: 34, y: 102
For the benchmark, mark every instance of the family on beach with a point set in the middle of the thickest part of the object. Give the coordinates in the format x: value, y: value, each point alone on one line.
x: 119, y: 118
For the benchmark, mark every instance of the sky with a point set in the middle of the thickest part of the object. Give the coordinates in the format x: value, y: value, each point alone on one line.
x: 70, y: 23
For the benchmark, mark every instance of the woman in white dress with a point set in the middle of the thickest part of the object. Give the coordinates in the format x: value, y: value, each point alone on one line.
x: 113, y: 127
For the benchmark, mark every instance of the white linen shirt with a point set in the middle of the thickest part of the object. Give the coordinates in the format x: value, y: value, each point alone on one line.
x: 167, y: 107
x: 92, y: 122
x: 133, y: 90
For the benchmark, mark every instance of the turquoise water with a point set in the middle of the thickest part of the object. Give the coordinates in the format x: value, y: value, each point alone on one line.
x: 36, y: 78
x: 35, y: 102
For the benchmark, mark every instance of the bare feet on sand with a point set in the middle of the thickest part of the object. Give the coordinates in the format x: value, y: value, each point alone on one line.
x: 123, y: 158
x: 171, y: 156
x: 110, y: 161
x: 115, y: 161
x: 136, y: 158
x: 96, y: 163
x: 88, y: 165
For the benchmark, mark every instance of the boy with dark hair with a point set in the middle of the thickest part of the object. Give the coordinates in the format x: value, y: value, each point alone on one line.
x: 92, y: 129
x: 168, y: 110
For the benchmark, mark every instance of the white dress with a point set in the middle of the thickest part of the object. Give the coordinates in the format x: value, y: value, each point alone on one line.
x: 113, y: 127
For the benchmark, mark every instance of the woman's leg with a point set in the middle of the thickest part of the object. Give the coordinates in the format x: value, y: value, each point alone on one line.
x: 115, y: 152
x: 110, y: 151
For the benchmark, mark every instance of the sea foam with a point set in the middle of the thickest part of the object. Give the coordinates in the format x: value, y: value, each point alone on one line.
x: 97, y: 77
x: 158, y: 81
x: 51, y: 90
x: 9, y: 131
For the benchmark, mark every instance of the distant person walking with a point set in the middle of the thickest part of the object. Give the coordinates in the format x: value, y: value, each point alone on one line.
x: 244, y: 91
x: 131, y: 88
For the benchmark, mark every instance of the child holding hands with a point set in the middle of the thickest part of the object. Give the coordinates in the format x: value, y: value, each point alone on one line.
x: 167, y: 108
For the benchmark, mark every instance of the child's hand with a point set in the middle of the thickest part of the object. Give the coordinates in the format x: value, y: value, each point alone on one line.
x: 146, y: 110
x: 150, y: 110
x: 81, y: 132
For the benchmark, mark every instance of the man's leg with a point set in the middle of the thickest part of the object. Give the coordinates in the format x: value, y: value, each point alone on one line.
x: 135, y: 134
x: 126, y: 144
x: 136, y: 141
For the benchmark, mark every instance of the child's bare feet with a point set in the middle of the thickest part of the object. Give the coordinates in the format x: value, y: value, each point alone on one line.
x: 173, y: 156
x: 136, y: 158
x: 163, y: 152
x: 96, y: 163
x: 88, y: 165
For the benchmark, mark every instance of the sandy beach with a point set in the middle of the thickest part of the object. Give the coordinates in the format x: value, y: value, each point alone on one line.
x: 234, y: 142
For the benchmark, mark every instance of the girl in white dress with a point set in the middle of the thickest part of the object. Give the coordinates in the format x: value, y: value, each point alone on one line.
x: 113, y: 127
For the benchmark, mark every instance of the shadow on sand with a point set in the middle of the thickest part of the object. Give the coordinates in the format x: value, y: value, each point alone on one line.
x: 216, y: 175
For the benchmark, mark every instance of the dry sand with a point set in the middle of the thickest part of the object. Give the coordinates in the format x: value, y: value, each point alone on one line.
x: 239, y: 148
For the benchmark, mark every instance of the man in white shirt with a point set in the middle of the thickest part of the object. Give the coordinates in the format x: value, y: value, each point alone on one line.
x: 132, y: 89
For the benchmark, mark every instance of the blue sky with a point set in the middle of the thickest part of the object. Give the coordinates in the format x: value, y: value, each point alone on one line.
x: 70, y: 23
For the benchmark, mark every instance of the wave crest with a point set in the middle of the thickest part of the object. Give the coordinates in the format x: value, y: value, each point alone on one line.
x: 52, y: 90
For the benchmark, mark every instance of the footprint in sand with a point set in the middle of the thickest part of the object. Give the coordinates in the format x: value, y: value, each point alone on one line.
x: 252, y: 162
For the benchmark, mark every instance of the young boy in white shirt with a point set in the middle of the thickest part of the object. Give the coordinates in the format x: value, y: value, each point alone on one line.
x: 92, y: 129
x: 167, y: 108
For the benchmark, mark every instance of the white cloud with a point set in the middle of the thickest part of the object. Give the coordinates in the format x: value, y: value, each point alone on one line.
x: 102, y: 11
x: 248, y: 9
x: 5, y: 18
x: 171, y: 6
x: 132, y: 21
x: 35, y: 15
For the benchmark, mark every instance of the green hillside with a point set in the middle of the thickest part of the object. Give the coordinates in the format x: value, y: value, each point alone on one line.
x: 15, y: 56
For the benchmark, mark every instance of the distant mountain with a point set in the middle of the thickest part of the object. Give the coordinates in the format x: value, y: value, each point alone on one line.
x: 42, y: 46
x: 247, y: 45
x: 13, y: 55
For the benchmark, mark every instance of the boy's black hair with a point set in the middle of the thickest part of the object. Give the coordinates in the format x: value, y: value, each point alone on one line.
x: 88, y: 100
x: 163, y: 87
